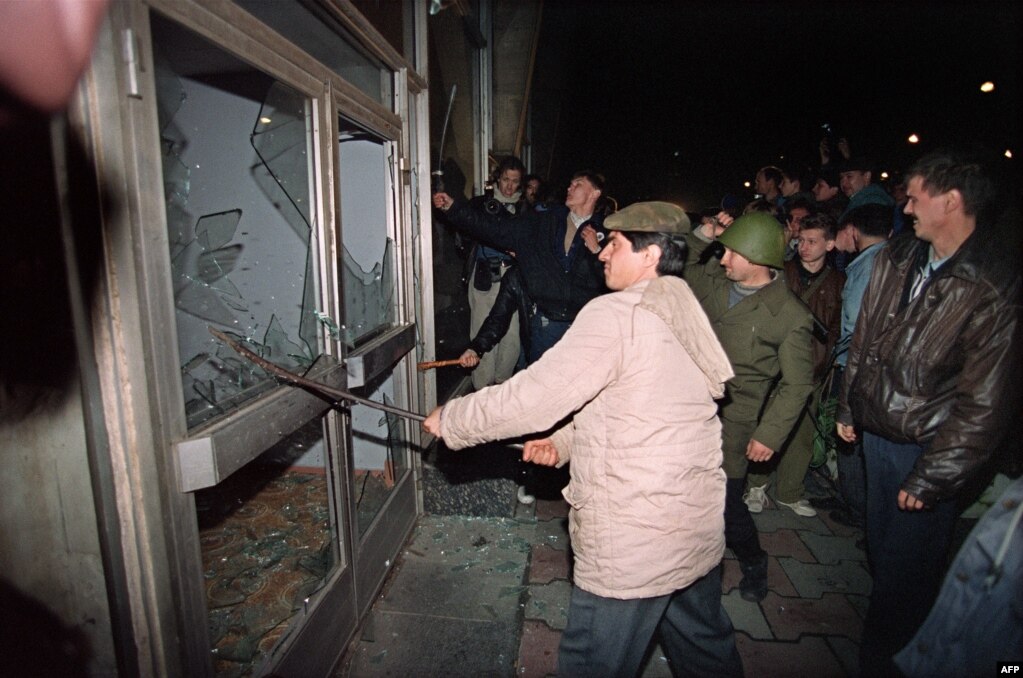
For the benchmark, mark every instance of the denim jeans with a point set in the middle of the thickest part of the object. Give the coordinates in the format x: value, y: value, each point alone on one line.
x: 608, y: 637
x: 976, y: 620
x: 544, y: 333
x: 852, y: 482
x: 908, y: 552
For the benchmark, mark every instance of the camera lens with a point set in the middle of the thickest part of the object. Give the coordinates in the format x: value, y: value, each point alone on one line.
x: 491, y: 206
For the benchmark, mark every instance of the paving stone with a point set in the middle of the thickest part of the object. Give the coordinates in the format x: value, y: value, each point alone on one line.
x: 771, y: 659
x: 848, y: 652
x: 838, y: 529
x: 423, y: 645
x: 786, y: 542
x: 772, y: 519
x: 831, y: 615
x: 549, y: 509
x: 538, y: 650
x: 832, y: 550
x: 812, y: 581
x: 549, y: 603
x: 524, y: 512
x: 553, y: 533
x: 860, y: 603
x: 547, y: 564
x: 450, y: 553
x: 746, y: 616
x: 777, y: 579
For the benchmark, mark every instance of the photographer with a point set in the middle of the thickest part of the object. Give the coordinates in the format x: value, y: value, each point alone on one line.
x: 486, y: 266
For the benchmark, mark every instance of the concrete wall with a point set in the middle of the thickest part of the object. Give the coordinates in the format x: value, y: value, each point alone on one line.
x: 49, y: 546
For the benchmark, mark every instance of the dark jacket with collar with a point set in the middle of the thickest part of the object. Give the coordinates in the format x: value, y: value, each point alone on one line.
x: 767, y: 339
x: 938, y: 371
x: 559, y: 285
x: 511, y: 298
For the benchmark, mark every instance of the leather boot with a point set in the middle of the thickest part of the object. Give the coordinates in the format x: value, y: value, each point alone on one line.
x: 753, y: 586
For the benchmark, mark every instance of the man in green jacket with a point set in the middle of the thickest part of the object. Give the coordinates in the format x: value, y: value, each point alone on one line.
x: 766, y: 332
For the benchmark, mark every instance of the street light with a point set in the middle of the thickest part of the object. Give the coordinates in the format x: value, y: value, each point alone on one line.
x: 987, y: 87
x: 913, y: 139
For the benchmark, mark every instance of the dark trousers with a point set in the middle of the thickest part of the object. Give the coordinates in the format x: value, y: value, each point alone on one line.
x: 908, y: 554
x: 608, y: 637
x: 740, y: 530
x: 852, y: 479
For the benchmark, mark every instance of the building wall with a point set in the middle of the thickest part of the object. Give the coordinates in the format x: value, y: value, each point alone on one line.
x: 49, y: 546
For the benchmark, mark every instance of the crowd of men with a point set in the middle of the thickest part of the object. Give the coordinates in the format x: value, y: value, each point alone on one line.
x: 689, y: 363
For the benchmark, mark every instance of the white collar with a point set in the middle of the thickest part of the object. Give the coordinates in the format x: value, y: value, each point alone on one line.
x: 578, y: 221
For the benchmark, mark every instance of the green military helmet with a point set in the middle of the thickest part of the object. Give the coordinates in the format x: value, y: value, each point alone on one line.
x: 757, y: 236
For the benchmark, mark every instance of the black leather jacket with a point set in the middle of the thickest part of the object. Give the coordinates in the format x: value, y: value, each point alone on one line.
x: 938, y: 371
x: 511, y: 297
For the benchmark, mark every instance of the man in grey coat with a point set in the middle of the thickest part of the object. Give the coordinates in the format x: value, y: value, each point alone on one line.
x: 629, y: 392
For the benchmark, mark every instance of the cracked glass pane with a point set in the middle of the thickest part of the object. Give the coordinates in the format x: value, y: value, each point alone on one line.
x: 237, y: 178
x: 379, y: 445
x: 379, y: 441
x: 368, y: 266
x: 369, y: 295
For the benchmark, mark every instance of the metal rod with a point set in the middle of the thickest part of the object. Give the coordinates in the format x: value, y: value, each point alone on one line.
x: 321, y: 389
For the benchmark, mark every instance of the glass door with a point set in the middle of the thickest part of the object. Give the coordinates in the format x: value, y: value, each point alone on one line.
x: 263, y: 461
x: 378, y: 341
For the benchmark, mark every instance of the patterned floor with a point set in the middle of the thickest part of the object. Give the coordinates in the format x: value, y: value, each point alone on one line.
x: 265, y: 540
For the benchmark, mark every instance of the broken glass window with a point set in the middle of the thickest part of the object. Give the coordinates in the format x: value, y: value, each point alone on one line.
x: 237, y: 184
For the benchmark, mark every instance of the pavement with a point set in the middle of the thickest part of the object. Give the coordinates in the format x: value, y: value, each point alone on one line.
x: 488, y: 596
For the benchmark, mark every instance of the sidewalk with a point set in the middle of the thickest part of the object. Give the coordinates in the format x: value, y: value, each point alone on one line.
x: 488, y: 596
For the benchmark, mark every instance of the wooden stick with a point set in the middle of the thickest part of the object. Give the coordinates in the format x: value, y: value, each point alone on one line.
x: 332, y: 394
x: 429, y: 365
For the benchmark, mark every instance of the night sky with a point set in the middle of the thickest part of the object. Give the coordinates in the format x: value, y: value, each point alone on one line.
x: 685, y: 100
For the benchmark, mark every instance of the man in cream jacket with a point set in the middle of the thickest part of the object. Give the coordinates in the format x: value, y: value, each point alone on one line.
x: 627, y: 396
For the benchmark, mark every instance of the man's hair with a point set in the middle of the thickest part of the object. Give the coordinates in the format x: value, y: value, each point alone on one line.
x: 510, y: 162
x: 796, y: 172
x: 945, y: 170
x: 772, y: 173
x: 673, y: 251
x: 795, y: 203
x: 820, y: 220
x: 872, y: 220
x: 593, y: 177
x: 598, y: 182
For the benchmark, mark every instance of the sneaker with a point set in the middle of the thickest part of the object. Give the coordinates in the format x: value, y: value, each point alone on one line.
x: 800, y: 508
x: 756, y: 498
x: 524, y: 497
